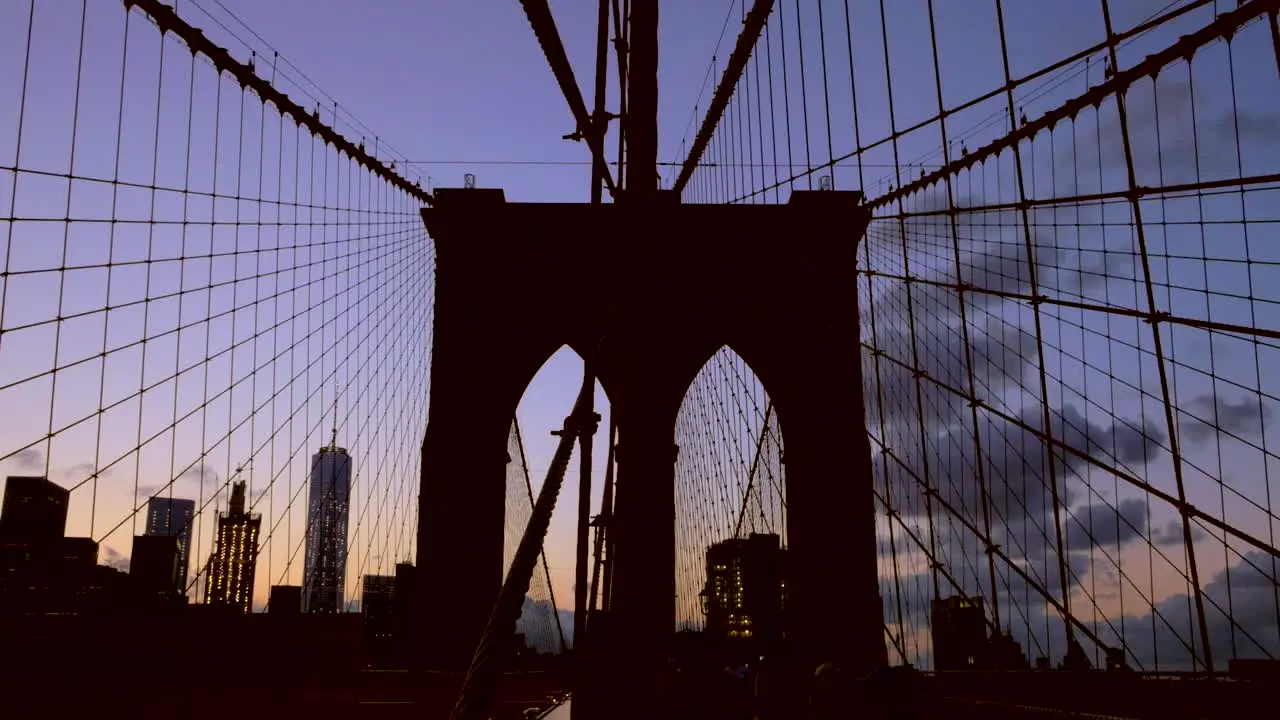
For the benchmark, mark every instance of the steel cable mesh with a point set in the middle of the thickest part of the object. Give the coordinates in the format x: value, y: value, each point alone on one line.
x: 195, y: 290
x: 1068, y: 324
x: 729, y: 473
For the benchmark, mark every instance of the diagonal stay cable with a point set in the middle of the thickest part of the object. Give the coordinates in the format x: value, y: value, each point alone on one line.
x: 482, y: 677
x: 751, y: 474
x: 544, y: 27
x: 546, y: 569
x: 746, y: 44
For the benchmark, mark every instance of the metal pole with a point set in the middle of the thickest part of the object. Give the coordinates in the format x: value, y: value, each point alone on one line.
x: 642, y: 104
x: 606, y: 513
x: 621, y: 29
x: 585, y: 433
x: 602, y: 522
x: 599, y: 124
x: 599, y: 121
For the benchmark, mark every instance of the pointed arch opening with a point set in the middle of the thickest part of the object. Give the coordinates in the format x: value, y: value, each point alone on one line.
x: 547, y: 621
x: 730, y: 505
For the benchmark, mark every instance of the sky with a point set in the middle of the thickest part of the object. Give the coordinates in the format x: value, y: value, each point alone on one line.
x: 450, y: 88
x: 391, y: 70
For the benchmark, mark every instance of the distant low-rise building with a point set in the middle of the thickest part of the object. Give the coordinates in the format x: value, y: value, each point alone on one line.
x: 285, y: 600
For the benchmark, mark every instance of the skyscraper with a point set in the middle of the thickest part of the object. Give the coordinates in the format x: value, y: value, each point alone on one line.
x: 377, y: 602
x: 153, y: 568
x: 32, y: 520
x: 328, y: 505
x: 230, y: 581
x: 173, y: 516
x: 959, y: 632
x: 34, y: 511
x: 744, y: 595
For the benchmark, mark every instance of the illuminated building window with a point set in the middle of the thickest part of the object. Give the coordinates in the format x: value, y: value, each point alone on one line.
x: 231, y: 567
x: 742, y: 598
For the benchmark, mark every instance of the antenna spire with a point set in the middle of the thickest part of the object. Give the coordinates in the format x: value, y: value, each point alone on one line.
x: 333, y: 438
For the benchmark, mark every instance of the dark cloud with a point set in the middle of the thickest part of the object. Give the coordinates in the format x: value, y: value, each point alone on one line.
x: 999, y: 352
x: 994, y: 263
x: 1015, y: 465
x: 1201, y: 418
x: 1171, y: 533
x: 1101, y: 525
x: 1176, y: 136
x: 1123, y: 440
x: 1016, y: 461
x: 930, y: 429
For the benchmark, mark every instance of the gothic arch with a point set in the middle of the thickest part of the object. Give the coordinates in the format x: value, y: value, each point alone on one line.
x: 653, y: 293
x: 728, y: 475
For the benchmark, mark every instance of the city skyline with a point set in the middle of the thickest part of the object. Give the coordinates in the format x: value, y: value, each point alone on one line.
x: 186, y: 409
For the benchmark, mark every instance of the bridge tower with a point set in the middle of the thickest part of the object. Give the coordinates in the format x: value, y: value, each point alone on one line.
x: 649, y: 292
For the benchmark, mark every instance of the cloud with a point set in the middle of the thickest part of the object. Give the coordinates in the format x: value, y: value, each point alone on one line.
x: 1015, y: 460
x: 993, y: 263
x: 538, y: 623
x: 1171, y: 533
x: 1101, y: 525
x: 1246, y: 589
x: 29, y: 459
x: 1045, y: 572
x: 931, y: 422
x: 81, y: 471
x: 930, y: 428
x: 1164, y: 636
x: 191, y: 479
x: 1201, y: 418
x: 114, y: 559
x: 1015, y: 465
x: 1176, y: 135
x: 201, y: 474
